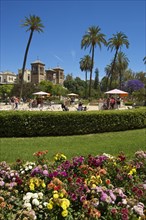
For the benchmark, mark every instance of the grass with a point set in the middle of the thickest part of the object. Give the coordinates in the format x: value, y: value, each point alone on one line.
x: 112, y: 142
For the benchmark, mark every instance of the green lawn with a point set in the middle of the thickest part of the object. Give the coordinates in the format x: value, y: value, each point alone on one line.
x: 112, y: 143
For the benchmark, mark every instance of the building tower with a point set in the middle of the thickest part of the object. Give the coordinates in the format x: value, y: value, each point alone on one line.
x: 37, y: 72
x: 55, y: 75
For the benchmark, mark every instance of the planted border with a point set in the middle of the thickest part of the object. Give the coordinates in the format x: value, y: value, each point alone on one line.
x: 31, y: 124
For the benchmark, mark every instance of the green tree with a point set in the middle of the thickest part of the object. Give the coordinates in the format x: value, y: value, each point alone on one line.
x: 59, y: 90
x: 103, y: 84
x: 115, y: 43
x: 69, y: 83
x: 144, y: 59
x: 28, y: 90
x: 85, y: 65
x: 34, y: 24
x: 45, y: 86
x: 107, y: 72
x: 92, y: 38
x: 128, y: 75
x: 5, y: 91
x: 121, y: 66
x: 141, y: 76
x: 96, y: 81
x: 75, y: 85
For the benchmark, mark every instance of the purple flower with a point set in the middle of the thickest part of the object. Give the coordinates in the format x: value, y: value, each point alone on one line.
x: 35, y: 171
x: 78, y: 161
x: 63, y: 173
x: 2, y: 183
x: 73, y: 196
x: 82, y: 198
x: 113, y: 197
x: 103, y: 196
x: 45, y: 172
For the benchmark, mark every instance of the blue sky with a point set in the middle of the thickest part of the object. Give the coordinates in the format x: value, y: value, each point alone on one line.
x: 65, y: 23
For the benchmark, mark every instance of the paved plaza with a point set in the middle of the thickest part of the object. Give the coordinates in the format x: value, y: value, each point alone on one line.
x: 53, y: 107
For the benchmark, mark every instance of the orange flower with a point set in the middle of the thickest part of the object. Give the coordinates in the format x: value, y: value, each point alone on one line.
x: 108, y: 181
x: 102, y: 171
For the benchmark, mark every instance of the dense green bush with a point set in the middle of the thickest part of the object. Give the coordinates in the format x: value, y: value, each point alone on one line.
x: 31, y: 124
x: 128, y: 103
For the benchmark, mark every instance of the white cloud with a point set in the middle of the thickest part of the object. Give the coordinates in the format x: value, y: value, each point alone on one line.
x: 73, y: 54
x: 58, y: 58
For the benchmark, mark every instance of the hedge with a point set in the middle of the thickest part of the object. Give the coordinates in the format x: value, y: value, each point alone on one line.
x: 31, y: 124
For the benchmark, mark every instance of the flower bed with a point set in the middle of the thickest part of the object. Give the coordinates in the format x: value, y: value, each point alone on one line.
x: 93, y: 187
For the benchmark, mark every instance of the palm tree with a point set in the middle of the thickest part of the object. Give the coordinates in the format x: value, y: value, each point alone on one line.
x: 115, y: 43
x: 107, y: 71
x: 121, y: 65
x: 34, y: 24
x: 85, y: 65
x: 92, y: 38
x: 144, y: 59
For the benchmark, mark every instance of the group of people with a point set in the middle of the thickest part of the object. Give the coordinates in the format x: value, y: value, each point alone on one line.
x: 14, y: 101
x: 111, y: 102
x: 79, y: 108
x: 38, y: 102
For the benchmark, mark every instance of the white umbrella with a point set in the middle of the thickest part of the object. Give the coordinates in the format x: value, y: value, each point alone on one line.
x: 73, y: 94
x: 41, y: 93
x: 117, y: 91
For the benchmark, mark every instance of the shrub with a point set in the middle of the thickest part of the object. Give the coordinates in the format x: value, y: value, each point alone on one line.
x: 28, y: 124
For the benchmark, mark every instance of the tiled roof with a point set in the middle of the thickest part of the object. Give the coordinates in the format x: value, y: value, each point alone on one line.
x: 38, y: 61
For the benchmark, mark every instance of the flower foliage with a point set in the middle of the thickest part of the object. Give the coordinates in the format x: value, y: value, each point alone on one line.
x: 133, y: 85
x: 93, y: 187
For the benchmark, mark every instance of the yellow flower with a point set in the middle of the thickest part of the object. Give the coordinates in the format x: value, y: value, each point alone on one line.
x: 37, y: 182
x: 31, y: 180
x: 55, y: 196
x: 133, y: 171
x: 43, y: 184
x: 64, y: 213
x: 50, y: 206
x: 31, y: 186
x: 65, y: 203
x: 63, y: 156
x: 93, y: 186
x: 63, y: 206
x: 93, y: 177
x: 55, y: 158
x: 61, y: 195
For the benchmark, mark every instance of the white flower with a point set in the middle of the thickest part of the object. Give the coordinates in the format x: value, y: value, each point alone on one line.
x: 29, y: 195
x: 35, y: 202
x: 24, y: 197
x: 40, y: 195
x: 30, y: 167
x: 108, y: 155
x: 35, y: 196
x: 12, y: 174
x: 45, y: 203
x: 124, y: 201
x: 27, y: 205
x: 22, y: 172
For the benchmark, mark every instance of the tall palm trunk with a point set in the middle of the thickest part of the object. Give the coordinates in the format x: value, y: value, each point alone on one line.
x: 112, y: 68
x: 24, y: 62
x: 86, y: 84
x: 120, y: 80
x: 91, y: 71
x: 107, y: 80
